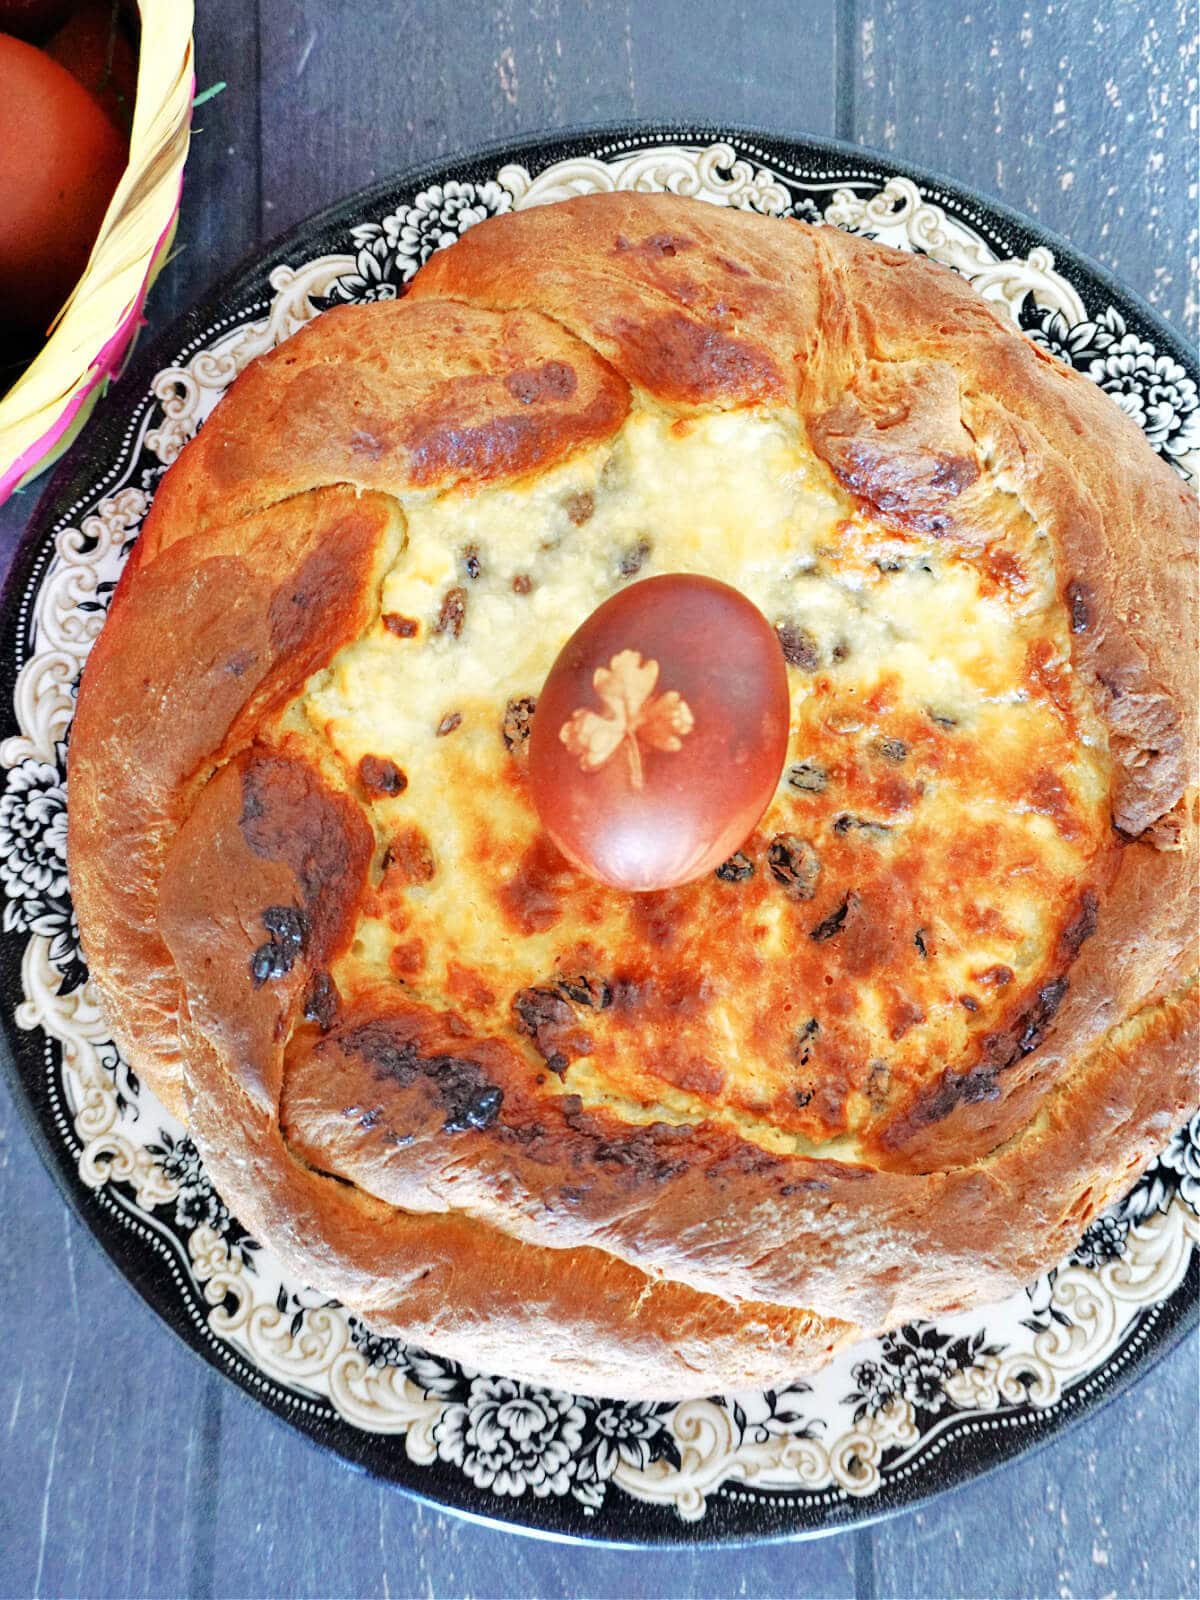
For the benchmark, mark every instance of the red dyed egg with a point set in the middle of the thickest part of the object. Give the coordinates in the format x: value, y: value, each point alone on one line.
x: 660, y: 733
x: 60, y: 160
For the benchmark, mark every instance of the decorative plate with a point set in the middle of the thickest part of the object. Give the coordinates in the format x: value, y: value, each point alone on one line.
x: 886, y: 1424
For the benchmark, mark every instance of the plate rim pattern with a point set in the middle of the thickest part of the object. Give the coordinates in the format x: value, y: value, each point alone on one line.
x: 734, y: 1514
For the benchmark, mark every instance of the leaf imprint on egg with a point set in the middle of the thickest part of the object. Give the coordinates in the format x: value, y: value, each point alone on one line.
x: 633, y: 716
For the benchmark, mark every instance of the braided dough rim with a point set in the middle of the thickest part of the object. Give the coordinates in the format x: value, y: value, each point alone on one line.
x: 1078, y: 1115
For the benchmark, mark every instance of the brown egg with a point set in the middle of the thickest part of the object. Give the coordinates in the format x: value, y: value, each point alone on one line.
x: 60, y: 160
x: 660, y: 733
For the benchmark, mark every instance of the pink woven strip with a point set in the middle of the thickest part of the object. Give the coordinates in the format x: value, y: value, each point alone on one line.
x: 107, y: 361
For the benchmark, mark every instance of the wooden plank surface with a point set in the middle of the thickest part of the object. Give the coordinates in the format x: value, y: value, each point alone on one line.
x: 381, y: 1544
x: 125, y: 1467
x: 1078, y: 113
x: 459, y: 74
x: 1109, y: 1509
x: 103, y: 1445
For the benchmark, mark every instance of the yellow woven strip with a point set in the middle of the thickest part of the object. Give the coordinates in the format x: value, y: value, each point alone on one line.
x: 138, y: 217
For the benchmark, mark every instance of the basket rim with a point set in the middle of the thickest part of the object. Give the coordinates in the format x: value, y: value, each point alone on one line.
x: 93, y: 330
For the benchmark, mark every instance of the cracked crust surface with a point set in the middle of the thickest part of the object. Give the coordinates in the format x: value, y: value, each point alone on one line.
x: 888, y: 1062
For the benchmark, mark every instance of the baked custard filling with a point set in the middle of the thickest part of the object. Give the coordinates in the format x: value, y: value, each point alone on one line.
x: 902, y: 904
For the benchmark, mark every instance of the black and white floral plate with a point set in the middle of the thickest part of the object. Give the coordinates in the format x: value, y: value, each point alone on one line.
x: 885, y: 1425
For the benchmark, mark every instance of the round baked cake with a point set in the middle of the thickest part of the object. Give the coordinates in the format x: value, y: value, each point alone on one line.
x: 894, y: 1053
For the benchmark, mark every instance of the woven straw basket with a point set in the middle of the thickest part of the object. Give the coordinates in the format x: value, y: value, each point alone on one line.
x: 50, y: 402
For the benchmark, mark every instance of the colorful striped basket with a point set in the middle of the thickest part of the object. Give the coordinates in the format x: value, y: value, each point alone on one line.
x: 48, y: 405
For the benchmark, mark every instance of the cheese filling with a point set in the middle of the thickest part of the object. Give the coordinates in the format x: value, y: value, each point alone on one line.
x: 944, y: 765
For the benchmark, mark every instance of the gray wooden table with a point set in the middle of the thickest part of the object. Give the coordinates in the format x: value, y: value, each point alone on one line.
x: 128, y: 1468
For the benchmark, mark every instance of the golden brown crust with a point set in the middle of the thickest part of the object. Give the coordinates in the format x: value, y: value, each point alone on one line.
x: 482, y: 1211
x: 266, y: 602
x: 406, y: 396
x: 689, y: 304
x: 1040, y: 424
